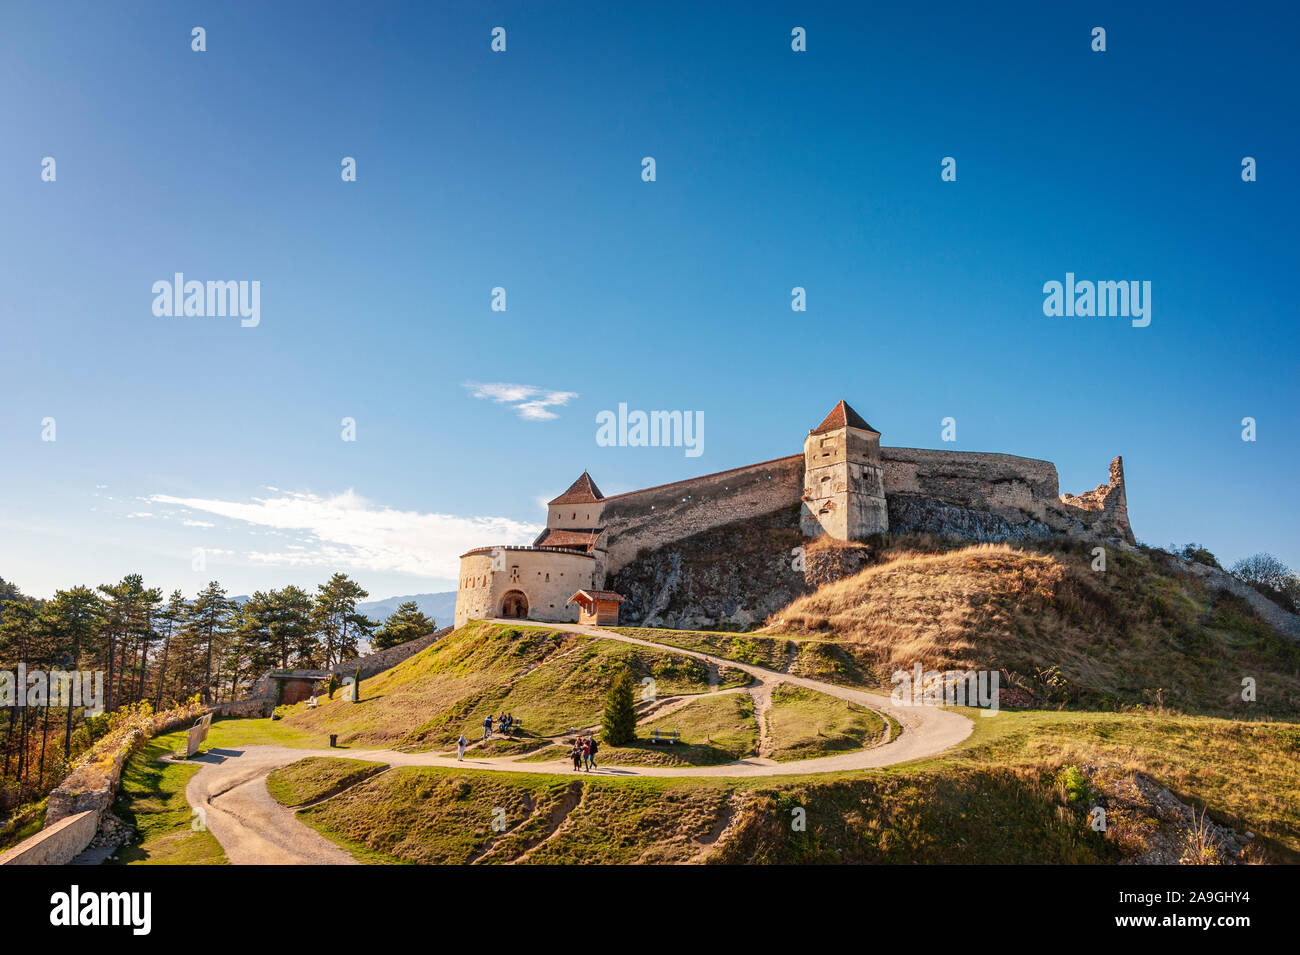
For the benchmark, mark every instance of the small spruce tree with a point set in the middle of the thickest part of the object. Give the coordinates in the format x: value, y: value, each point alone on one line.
x: 619, y: 724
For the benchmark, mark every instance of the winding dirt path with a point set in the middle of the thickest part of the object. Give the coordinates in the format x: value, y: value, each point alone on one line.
x: 230, y: 790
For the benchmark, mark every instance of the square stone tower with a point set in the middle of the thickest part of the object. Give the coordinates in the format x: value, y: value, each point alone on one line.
x: 844, y: 483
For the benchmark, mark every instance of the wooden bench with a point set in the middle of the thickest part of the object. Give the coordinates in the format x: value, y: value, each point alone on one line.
x: 665, y: 738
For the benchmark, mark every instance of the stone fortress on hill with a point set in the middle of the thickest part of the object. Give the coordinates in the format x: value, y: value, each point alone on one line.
x: 844, y: 483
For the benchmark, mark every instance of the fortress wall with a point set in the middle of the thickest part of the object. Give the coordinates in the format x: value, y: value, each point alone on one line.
x: 661, y: 515
x: 972, y: 479
x: 474, y: 591
x: 548, y: 578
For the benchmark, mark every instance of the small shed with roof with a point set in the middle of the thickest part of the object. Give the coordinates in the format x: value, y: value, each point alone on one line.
x: 598, y: 607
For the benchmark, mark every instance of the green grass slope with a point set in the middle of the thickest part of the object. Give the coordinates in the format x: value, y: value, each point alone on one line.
x: 151, y: 800
x: 551, y: 680
x: 317, y: 777
x: 805, y: 724
x: 998, y: 799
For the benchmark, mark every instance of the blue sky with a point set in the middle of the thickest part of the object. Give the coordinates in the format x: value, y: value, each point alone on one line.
x: 522, y: 170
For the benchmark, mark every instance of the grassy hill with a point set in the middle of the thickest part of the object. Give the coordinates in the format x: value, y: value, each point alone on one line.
x: 1137, y: 634
x: 1021, y: 790
x: 551, y: 680
x: 1132, y: 670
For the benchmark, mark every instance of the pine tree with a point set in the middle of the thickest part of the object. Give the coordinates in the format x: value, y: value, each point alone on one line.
x: 338, y: 620
x: 76, y: 617
x: 408, y: 622
x: 171, y: 619
x: 208, y: 622
x: 619, y: 724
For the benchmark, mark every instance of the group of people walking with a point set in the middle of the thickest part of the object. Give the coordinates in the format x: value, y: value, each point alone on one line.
x: 583, y: 753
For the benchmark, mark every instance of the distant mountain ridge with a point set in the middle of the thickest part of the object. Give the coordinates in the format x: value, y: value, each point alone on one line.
x: 441, y: 607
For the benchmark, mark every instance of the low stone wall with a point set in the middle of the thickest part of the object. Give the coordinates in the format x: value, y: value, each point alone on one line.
x: 56, y: 844
x: 90, y: 789
x: 382, y: 660
x: 245, y: 709
x: 92, y: 785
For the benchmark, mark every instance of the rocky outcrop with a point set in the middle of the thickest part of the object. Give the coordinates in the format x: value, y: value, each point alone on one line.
x: 1158, y: 828
x: 732, y: 577
x: 1269, y: 612
x: 912, y: 514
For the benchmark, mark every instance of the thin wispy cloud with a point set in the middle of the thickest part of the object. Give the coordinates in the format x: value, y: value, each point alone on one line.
x: 529, y: 401
x: 347, y: 531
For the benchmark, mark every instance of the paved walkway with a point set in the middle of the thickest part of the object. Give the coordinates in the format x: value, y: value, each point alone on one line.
x: 230, y: 790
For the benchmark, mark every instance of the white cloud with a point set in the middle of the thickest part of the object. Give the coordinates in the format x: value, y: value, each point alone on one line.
x: 531, y: 402
x: 346, y: 530
x: 140, y: 514
x: 189, y: 523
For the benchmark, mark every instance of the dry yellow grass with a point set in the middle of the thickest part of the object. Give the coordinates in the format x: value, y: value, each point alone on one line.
x: 1134, y: 634
x: 926, y: 607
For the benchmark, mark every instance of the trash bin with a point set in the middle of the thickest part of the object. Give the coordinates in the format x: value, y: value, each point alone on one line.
x: 334, y: 740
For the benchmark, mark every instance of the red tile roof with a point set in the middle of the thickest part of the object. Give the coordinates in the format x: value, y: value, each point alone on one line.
x: 842, y: 416
x: 581, y: 491
x: 554, y: 537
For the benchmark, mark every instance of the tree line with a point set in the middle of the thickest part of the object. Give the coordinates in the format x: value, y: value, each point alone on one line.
x: 162, y: 651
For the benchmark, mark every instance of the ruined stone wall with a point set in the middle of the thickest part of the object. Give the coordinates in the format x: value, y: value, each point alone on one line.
x: 649, y: 519
x: 996, y: 497
x: 251, y: 708
x: 1102, y: 511
x: 972, y: 479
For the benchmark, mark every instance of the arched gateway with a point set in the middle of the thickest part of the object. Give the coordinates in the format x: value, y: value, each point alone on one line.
x: 514, y: 605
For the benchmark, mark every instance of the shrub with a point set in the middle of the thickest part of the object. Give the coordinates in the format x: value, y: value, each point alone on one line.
x: 1074, y: 784
x: 1197, y: 554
